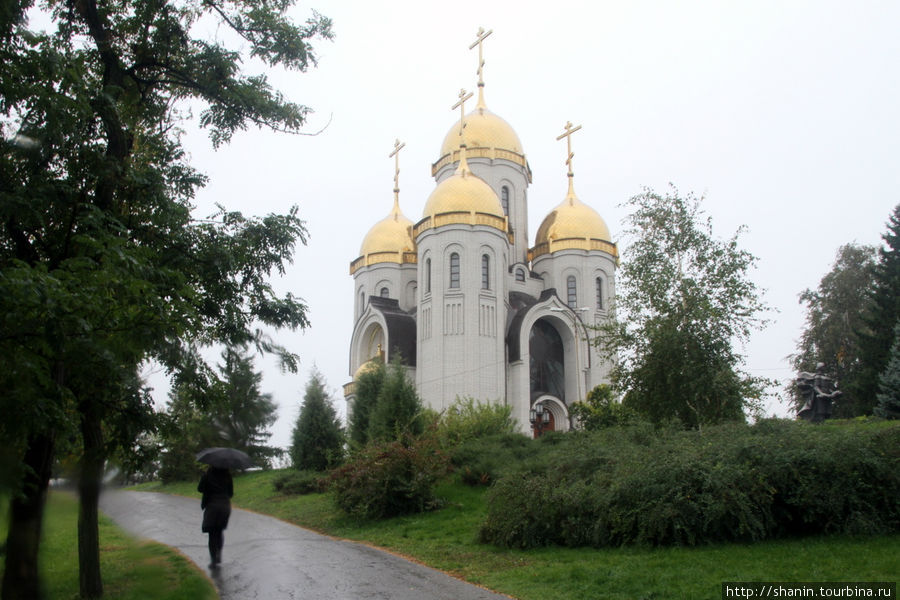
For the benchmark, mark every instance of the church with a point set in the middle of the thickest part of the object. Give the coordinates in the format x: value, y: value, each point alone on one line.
x: 459, y: 295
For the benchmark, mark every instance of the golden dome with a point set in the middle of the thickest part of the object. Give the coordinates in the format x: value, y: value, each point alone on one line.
x: 573, y: 224
x: 391, y: 234
x: 463, y: 192
x: 483, y: 129
x: 370, y: 365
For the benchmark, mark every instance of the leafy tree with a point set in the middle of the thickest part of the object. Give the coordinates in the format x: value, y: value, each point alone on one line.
x: 685, y: 299
x: 877, y: 335
x: 101, y: 264
x: 318, y: 438
x: 888, y: 405
x: 368, y: 386
x: 835, y: 313
x: 601, y: 409
x: 398, y: 410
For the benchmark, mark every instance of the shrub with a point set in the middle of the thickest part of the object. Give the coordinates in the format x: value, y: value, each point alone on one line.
x: 300, y: 482
x: 730, y: 483
x: 482, y: 460
x: 390, y: 478
x: 469, y: 419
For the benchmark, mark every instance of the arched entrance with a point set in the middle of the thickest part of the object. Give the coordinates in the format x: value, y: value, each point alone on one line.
x: 547, y: 367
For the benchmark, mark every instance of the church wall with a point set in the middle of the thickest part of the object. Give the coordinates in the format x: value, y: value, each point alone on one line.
x: 399, y: 279
x: 461, y: 341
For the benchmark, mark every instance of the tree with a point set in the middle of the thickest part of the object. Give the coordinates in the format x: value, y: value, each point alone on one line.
x: 601, y: 410
x: 876, y: 336
x: 368, y: 386
x: 318, y: 438
x: 835, y: 313
x: 685, y: 299
x: 888, y: 406
x: 101, y: 264
x: 398, y: 410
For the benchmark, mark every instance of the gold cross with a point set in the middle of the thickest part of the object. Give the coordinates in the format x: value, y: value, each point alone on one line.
x: 568, y: 135
x: 396, y: 156
x: 482, y: 35
x: 463, y: 96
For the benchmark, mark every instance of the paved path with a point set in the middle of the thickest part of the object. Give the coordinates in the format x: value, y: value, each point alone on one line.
x: 265, y: 558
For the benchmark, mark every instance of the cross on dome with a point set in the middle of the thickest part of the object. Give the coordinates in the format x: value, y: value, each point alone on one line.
x: 569, y: 130
x: 396, y: 156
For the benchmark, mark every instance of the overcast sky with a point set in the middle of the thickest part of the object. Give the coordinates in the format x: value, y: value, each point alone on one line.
x: 783, y: 114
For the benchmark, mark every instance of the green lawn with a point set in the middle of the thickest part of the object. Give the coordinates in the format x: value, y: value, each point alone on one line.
x: 131, y: 570
x: 446, y: 539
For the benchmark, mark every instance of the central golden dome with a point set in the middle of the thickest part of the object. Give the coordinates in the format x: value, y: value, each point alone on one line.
x: 483, y: 129
x: 463, y: 192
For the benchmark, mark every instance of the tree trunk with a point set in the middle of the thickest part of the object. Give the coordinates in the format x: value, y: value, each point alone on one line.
x: 21, y: 579
x: 89, y: 578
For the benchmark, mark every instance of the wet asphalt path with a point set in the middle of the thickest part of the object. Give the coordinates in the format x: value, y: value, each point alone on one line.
x: 268, y: 559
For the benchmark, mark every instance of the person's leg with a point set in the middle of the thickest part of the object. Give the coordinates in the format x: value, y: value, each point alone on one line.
x: 215, y: 545
x: 221, y: 545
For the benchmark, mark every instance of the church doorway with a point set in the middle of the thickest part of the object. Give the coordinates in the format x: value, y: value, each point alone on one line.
x: 547, y: 367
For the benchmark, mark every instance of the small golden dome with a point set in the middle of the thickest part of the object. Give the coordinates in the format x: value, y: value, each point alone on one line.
x: 463, y: 192
x: 391, y: 234
x: 572, y: 224
x: 368, y: 366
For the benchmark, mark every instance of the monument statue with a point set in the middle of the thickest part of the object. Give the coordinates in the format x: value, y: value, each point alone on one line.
x: 818, y: 390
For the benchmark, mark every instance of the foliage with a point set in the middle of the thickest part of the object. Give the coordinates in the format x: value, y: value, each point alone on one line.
x: 468, y: 419
x: 102, y: 265
x: 685, y: 299
x: 228, y: 411
x: 300, y: 482
x: 888, y: 405
x: 877, y: 336
x: 483, y: 460
x: 600, y: 409
x: 398, y: 412
x: 730, y: 483
x: 835, y: 313
x: 318, y: 438
x: 368, y: 385
x: 386, y: 479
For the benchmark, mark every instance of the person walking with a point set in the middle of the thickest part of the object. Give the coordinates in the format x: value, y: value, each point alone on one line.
x: 217, y: 488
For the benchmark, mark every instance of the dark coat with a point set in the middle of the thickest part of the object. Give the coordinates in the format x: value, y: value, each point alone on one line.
x: 217, y: 489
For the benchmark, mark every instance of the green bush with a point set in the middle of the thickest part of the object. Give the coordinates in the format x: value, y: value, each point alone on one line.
x: 730, y: 483
x: 390, y: 478
x: 468, y: 419
x: 300, y: 482
x: 482, y: 460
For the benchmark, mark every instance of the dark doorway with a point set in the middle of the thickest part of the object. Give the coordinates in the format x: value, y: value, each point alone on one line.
x: 547, y: 367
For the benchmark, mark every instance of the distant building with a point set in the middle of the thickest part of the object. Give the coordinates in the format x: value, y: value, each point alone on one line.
x: 459, y: 295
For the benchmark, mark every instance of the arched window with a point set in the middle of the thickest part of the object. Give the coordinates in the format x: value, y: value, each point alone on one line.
x: 547, y: 363
x: 385, y: 293
x: 520, y: 274
x: 571, y: 290
x: 454, y: 270
x: 362, y: 301
x: 599, y: 293
x: 485, y: 272
x: 504, y: 199
x: 428, y: 276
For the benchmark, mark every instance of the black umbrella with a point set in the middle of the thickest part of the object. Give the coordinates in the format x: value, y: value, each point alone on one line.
x: 224, y: 458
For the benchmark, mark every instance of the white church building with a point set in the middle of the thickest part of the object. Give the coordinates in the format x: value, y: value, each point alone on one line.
x: 460, y: 294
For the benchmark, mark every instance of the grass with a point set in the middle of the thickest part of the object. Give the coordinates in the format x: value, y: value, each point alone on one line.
x: 131, y: 570
x: 446, y: 539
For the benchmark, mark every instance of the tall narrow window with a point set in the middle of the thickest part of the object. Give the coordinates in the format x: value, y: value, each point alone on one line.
x: 485, y: 272
x: 362, y: 302
x: 428, y: 276
x: 454, y: 270
x: 599, y: 293
x: 504, y: 199
x: 571, y: 291
x: 520, y: 274
x: 385, y: 293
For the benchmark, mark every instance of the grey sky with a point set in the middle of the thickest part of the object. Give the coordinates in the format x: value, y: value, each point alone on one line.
x: 784, y: 114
